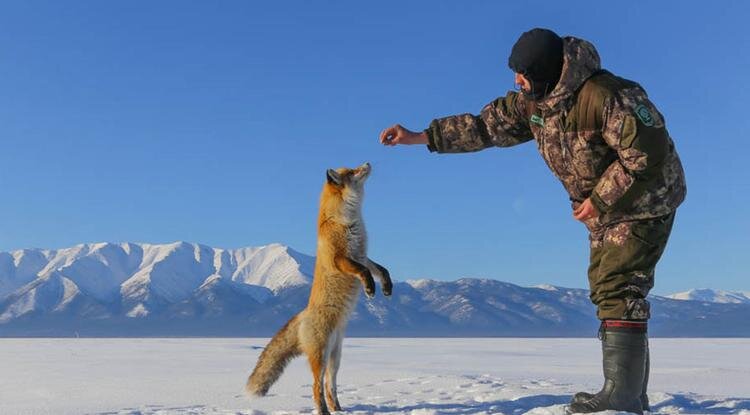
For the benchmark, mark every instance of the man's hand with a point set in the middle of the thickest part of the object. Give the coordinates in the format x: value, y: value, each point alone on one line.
x: 586, y: 211
x: 400, y: 135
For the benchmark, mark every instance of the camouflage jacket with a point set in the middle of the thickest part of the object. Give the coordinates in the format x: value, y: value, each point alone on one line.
x: 599, y: 134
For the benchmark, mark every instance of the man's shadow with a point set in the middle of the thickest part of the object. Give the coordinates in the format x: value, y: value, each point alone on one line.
x: 692, y: 404
x: 680, y: 403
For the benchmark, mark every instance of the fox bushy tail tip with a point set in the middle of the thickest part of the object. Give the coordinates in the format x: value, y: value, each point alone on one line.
x: 282, y: 348
x: 253, y: 389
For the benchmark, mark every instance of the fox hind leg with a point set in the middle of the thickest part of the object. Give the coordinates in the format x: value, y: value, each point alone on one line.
x: 318, y: 362
x: 332, y: 368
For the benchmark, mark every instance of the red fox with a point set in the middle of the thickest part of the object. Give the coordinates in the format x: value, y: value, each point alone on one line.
x: 341, y: 267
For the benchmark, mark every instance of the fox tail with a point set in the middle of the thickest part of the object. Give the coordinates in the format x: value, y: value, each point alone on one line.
x: 280, y: 350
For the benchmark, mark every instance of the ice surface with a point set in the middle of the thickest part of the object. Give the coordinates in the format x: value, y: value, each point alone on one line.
x: 389, y: 376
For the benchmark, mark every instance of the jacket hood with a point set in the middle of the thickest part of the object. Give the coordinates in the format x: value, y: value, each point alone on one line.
x: 580, y: 61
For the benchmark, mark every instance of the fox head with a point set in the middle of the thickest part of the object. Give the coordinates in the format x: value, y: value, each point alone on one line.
x: 346, y: 185
x: 351, y: 179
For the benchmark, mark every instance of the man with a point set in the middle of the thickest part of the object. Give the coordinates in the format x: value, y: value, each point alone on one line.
x: 607, y: 143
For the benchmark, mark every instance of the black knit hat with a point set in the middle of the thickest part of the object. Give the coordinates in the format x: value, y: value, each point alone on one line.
x: 538, y: 55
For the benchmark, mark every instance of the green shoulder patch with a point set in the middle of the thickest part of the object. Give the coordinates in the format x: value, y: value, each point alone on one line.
x: 537, y: 120
x: 644, y: 114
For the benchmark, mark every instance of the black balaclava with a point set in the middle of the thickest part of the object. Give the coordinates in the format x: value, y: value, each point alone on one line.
x: 538, y: 55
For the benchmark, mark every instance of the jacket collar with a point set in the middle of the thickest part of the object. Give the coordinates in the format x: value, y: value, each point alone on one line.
x: 580, y: 61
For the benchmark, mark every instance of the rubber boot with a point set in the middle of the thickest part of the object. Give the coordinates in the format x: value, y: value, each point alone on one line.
x: 624, y: 357
x: 644, y: 395
x: 584, y: 396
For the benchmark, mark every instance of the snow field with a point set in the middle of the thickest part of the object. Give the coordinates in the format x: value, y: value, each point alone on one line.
x: 388, y: 376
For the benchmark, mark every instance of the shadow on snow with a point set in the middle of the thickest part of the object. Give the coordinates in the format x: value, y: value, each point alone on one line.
x: 673, y: 404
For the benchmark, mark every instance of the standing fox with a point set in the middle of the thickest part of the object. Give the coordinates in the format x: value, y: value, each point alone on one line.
x: 341, y: 268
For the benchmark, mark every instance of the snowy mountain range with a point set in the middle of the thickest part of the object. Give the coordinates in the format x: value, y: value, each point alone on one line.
x: 184, y: 289
x: 713, y: 296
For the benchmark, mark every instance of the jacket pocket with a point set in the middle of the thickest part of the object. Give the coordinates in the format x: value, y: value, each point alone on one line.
x: 583, y: 155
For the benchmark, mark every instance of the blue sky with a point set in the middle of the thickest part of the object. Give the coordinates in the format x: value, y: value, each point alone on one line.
x: 214, y: 122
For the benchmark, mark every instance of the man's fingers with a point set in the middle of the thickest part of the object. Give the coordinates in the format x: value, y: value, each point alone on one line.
x: 582, y: 215
x: 388, y: 135
x: 585, y: 210
x: 384, y: 135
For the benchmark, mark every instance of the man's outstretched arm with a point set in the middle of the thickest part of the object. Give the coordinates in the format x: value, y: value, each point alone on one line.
x: 501, y: 123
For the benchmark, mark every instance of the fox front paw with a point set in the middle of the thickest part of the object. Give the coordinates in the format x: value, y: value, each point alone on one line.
x: 388, y: 289
x: 370, y: 291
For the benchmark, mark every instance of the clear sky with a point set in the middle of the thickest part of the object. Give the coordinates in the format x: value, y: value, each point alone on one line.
x: 214, y: 122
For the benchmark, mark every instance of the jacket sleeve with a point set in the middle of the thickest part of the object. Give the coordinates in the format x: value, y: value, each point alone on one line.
x: 633, y: 127
x: 501, y: 123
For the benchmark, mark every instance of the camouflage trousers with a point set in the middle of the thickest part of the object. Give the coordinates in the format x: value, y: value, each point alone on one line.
x: 621, y: 268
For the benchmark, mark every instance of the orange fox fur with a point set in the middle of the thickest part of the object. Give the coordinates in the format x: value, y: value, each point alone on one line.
x: 341, y: 268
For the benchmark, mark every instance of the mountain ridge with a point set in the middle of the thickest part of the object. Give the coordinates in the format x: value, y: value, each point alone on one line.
x: 713, y: 296
x: 190, y: 289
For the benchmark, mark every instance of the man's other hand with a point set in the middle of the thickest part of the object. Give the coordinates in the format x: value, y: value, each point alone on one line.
x: 585, y: 211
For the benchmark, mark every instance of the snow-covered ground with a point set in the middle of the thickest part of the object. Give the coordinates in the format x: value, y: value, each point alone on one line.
x: 391, y: 376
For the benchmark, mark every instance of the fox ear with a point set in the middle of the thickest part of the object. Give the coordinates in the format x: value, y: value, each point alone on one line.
x: 333, y: 177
